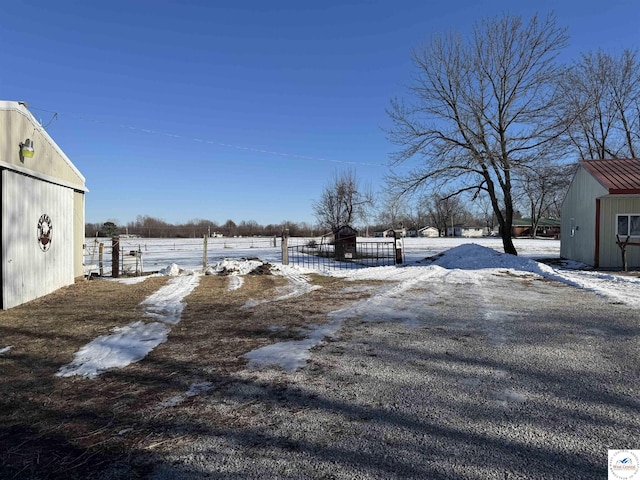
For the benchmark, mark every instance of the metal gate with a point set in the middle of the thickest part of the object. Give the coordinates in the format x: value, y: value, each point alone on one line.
x: 326, y: 256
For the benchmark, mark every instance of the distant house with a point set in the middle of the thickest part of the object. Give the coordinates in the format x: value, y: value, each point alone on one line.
x: 603, y: 201
x: 384, y: 233
x: 42, y: 205
x: 547, y: 227
x: 428, y: 232
x: 467, y: 231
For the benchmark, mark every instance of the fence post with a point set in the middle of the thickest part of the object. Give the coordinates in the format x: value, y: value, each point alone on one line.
x: 100, y: 256
x: 398, y: 246
x: 115, y: 257
x: 285, y: 249
x: 204, y: 254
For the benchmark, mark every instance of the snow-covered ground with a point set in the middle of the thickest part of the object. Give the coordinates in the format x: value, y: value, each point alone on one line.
x: 453, y: 261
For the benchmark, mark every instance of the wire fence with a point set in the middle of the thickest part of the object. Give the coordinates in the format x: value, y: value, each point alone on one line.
x: 147, y: 255
x: 137, y: 256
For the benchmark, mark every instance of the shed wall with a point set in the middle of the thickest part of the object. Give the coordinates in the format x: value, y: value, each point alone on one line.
x: 28, y: 271
x: 578, y: 223
x: 610, y: 255
x: 78, y: 233
x: 18, y: 125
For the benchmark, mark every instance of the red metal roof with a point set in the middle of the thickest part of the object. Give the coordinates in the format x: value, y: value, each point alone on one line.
x: 620, y: 176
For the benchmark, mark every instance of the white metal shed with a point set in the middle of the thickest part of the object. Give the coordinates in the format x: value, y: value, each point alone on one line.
x: 42, y: 205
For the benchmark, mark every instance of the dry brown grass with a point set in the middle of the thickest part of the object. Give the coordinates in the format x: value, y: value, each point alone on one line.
x: 52, y: 427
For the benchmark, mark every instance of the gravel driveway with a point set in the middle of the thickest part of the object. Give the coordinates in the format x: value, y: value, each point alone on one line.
x: 522, y: 378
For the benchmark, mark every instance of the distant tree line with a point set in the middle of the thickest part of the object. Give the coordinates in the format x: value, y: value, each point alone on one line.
x: 150, y: 227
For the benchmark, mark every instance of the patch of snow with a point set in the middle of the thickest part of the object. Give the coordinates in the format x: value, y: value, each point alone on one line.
x: 276, y: 328
x: 131, y: 343
x: 121, y: 347
x: 196, y: 388
x: 235, y: 282
x: 129, y: 280
x: 299, y: 284
x: 5, y: 350
x: 293, y: 354
x: 510, y: 396
x: 618, y: 288
x: 166, y: 304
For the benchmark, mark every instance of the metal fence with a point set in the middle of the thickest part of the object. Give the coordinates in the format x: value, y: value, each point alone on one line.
x: 141, y: 255
x: 324, y: 255
x: 145, y: 255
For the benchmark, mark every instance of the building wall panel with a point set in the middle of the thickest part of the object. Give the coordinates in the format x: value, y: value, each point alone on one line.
x: 78, y: 234
x: 578, y: 223
x: 610, y: 254
x: 28, y: 270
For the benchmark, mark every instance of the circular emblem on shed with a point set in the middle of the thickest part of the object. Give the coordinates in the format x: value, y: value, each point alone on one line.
x: 44, y: 232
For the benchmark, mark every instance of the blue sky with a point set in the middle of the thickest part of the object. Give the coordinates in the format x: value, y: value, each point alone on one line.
x: 238, y: 110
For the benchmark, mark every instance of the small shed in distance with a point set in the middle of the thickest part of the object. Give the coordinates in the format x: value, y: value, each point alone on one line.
x: 344, y: 239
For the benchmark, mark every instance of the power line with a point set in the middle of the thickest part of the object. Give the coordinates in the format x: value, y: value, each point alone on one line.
x: 212, y: 142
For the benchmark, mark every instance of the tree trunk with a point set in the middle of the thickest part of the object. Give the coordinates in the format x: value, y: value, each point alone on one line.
x: 507, y: 243
x: 505, y: 230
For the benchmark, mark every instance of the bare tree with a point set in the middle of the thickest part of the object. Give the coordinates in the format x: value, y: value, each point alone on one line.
x: 483, y: 111
x: 542, y: 191
x: 483, y: 212
x: 393, y: 211
x: 604, y: 91
x: 444, y: 211
x: 342, y: 202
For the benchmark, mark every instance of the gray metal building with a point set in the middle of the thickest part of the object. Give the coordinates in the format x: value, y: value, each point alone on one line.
x: 42, y: 205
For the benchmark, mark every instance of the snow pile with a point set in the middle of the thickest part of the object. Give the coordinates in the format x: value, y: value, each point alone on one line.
x: 131, y: 343
x: 475, y: 257
x: 230, y: 266
x: 5, y: 350
x: 173, y: 270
